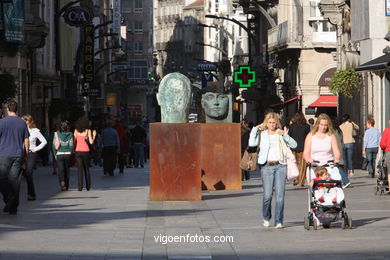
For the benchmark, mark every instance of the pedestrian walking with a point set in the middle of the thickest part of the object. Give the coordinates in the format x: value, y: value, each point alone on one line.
x: 139, y: 136
x: 298, y: 130
x: 14, y: 145
x: 349, y: 130
x: 321, y: 143
x: 84, y: 138
x: 272, y: 163
x: 35, y: 135
x: 371, y: 140
x: 339, y: 137
x: 63, y: 146
x: 120, y: 128
x: 385, y: 146
x: 110, y: 141
x: 311, y: 123
x: 245, y: 175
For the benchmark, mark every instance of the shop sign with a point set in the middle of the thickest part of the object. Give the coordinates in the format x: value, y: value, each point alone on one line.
x: 89, y: 54
x: 77, y: 16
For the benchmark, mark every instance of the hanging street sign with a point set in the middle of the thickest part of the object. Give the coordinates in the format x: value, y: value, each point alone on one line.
x: 206, y: 66
x: 77, y: 16
x: 244, y: 76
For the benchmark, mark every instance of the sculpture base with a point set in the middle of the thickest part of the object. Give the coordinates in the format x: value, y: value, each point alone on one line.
x: 175, y: 155
x: 221, y: 156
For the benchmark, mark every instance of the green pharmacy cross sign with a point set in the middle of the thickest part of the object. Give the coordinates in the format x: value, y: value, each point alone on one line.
x: 244, y: 77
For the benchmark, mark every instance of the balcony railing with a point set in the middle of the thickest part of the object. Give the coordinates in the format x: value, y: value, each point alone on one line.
x: 284, y: 36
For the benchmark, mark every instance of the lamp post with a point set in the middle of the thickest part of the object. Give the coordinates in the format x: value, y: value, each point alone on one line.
x: 251, y: 36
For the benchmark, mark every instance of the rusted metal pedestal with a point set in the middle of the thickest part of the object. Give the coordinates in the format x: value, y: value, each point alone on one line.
x: 221, y: 155
x: 175, y: 156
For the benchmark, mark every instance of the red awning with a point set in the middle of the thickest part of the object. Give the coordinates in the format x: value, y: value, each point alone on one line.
x: 285, y: 102
x: 325, y: 101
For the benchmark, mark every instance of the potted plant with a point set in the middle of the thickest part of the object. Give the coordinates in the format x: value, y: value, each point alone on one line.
x: 344, y: 82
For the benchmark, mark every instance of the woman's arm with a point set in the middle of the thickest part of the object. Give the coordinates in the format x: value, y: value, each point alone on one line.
x: 289, y: 140
x: 307, y: 149
x: 41, y: 139
x: 254, y: 137
x: 335, y: 149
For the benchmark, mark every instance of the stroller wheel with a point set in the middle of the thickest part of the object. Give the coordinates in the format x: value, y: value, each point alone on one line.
x: 326, y: 225
x: 350, y: 223
x: 306, y: 223
x: 315, y: 224
x: 344, y: 222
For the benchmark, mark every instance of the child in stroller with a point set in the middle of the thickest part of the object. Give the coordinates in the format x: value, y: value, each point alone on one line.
x: 326, y: 197
x: 325, y: 193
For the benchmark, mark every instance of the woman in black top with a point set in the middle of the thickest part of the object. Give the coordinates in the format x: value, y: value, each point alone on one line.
x: 298, y: 130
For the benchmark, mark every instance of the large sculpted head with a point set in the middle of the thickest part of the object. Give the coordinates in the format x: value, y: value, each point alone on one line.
x: 215, y: 105
x: 174, y: 96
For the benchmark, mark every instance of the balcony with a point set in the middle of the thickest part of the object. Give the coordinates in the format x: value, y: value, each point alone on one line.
x: 283, y: 36
x: 324, y: 37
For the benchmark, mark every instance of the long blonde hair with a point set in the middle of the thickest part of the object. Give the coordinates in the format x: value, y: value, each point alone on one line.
x: 323, y: 116
x: 29, y: 121
x: 269, y: 116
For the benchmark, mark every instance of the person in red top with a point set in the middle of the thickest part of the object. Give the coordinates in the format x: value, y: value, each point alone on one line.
x: 385, y: 146
x: 324, y: 192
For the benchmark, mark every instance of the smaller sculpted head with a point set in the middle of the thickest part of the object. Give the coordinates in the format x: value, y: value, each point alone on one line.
x: 215, y: 105
x: 174, y: 96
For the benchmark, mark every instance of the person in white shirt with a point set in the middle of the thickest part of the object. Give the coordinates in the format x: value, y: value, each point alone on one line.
x: 32, y: 155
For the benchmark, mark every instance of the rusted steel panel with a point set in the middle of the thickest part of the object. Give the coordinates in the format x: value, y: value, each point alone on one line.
x: 221, y: 155
x: 175, y: 153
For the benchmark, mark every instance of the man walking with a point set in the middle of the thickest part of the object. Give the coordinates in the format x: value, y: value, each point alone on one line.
x: 110, y: 141
x: 139, y: 138
x: 14, y: 144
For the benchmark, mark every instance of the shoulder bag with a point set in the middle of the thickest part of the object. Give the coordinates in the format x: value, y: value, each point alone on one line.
x: 249, y: 159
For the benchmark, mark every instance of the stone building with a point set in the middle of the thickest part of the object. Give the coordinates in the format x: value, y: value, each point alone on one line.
x: 302, y: 51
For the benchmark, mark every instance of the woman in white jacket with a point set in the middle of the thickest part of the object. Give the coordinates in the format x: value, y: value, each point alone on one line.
x: 272, y: 161
x: 32, y: 155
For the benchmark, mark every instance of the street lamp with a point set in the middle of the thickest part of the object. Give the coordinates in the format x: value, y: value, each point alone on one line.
x: 251, y: 36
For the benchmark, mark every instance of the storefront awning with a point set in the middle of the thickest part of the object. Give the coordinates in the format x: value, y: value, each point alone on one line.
x: 325, y: 101
x: 379, y: 63
x: 285, y: 102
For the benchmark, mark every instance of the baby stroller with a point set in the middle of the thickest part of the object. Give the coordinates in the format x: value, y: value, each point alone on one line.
x: 382, y: 185
x: 325, y: 214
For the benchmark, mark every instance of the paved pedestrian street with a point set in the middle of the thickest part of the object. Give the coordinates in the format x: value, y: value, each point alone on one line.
x: 115, y: 220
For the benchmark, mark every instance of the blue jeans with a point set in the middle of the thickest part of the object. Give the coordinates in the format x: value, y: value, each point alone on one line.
x: 348, y: 155
x: 371, y: 156
x: 344, y: 175
x: 10, y: 175
x: 274, y: 177
x: 139, y: 154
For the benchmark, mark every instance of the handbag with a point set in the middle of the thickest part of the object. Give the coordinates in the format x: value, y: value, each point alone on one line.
x: 249, y: 161
x: 292, y: 169
x: 249, y: 158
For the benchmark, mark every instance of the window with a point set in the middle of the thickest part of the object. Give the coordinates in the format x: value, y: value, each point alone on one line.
x: 129, y: 25
x: 138, y: 48
x: 216, y: 6
x: 322, y: 26
x: 138, y: 27
x: 138, y: 6
x: 128, y: 46
x: 313, y: 8
x: 126, y: 6
x: 138, y: 69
